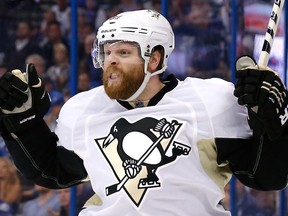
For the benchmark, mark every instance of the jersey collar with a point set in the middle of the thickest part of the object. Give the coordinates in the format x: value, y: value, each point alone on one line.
x: 170, y: 83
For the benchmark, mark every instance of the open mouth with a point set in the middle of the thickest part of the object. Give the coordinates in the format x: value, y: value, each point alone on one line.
x: 114, y: 76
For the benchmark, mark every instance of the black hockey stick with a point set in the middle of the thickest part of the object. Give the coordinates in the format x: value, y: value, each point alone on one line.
x: 116, y: 187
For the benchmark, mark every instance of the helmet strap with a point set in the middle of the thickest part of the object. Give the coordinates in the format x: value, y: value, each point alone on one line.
x: 148, y: 74
x: 143, y: 85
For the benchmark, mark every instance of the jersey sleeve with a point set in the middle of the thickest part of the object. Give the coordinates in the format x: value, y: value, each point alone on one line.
x: 256, y: 161
x: 72, y: 120
x: 36, y: 155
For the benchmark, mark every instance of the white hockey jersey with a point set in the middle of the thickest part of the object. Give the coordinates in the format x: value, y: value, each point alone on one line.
x: 155, y: 160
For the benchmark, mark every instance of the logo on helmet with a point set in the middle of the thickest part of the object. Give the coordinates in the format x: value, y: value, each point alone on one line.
x: 115, y: 17
x: 154, y: 13
x: 108, y: 30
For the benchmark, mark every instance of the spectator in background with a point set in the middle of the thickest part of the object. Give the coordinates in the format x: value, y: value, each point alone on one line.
x: 46, y: 201
x: 113, y: 10
x: 129, y: 5
x: 206, y: 56
x: 3, y: 69
x: 265, y: 204
x: 62, y: 11
x: 94, y: 13
x: 154, y: 5
x: 84, y: 192
x: 178, y: 10
x: 53, y: 36
x: 10, y: 188
x: 64, y: 198
x: 84, y: 83
x: 87, y: 62
x: 200, y: 13
x: 225, y: 202
x: 59, y: 73
x: 39, y: 63
x: 84, y: 29
x: 28, y: 191
x: 250, y: 202
x: 3, y: 149
x: 57, y: 100
x: 246, y: 203
x: 21, y: 47
x: 246, y: 45
x: 49, y: 16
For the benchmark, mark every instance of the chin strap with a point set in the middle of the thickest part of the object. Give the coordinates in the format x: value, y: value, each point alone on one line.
x: 141, y: 88
x: 148, y: 74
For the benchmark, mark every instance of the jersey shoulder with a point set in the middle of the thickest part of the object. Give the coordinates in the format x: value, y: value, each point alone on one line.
x: 228, y: 118
x: 210, y: 91
x: 84, y: 102
x: 217, y: 84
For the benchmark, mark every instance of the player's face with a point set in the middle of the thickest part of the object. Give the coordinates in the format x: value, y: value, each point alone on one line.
x: 123, y: 69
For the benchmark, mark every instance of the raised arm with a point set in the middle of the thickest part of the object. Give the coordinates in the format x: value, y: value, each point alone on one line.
x: 24, y: 102
x: 261, y: 161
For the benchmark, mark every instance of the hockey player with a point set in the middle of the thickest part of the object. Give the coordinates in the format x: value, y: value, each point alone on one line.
x: 142, y: 138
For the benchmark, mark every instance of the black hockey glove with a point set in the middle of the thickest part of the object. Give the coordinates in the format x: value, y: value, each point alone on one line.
x: 263, y: 92
x: 23, y: 99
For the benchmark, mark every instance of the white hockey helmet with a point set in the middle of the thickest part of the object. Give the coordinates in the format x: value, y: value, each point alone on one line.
x: 147, y: 28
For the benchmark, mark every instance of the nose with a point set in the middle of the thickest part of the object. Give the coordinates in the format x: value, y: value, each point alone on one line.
x: 112, y: 59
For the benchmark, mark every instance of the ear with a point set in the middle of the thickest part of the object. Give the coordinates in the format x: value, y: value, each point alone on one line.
x: 154, y: 61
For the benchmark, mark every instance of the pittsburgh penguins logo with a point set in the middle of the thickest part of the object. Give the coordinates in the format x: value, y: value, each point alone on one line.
x: 135, y: 151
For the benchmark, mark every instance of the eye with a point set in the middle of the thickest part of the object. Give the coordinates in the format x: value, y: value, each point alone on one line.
x: 124, y: 52
x: 107, y: 52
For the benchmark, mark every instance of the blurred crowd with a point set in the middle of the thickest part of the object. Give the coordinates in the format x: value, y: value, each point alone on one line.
x: 250, y: 202
x: 38, y: 32
x: 20, y: 197
x: 201, y: 28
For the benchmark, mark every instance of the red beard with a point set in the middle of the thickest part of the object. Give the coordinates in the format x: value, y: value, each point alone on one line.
x: 128, y: 84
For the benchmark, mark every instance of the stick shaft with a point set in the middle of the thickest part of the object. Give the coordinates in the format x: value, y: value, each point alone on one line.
x: 271, y: 32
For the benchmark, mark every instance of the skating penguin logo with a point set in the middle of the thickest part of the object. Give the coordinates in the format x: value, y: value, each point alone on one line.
x: 136, y: 150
